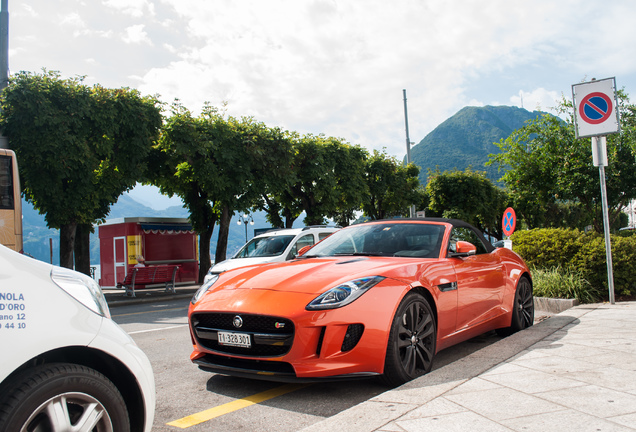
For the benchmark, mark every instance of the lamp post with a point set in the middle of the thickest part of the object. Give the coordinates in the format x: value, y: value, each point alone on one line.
x: 245, y: 218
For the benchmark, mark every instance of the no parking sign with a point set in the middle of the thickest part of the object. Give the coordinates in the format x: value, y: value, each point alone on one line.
x: 509, y: 221
x: 596, y: 108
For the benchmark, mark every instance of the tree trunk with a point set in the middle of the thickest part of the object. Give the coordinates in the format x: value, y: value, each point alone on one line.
x: 224, y: 229
x: 204, y: 252
x: 67, y: 242
x: 83, y: 248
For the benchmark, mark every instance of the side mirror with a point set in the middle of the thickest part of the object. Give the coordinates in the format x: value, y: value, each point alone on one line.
x: 463, y: 249
x: 303, y: 250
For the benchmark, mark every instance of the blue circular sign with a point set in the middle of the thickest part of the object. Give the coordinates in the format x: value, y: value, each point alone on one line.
x: 509, y: 221
x: 595, y: 108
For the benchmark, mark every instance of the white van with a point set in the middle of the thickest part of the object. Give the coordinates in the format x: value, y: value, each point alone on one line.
x: 65, y: 364
x: 273, y: 246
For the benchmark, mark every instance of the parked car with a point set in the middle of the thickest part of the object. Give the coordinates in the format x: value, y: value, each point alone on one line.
x: 273, y: 246
x: 373, y: 299
x: 65, y: 364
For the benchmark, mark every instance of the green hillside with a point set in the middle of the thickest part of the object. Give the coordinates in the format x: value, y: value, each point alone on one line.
x: 466, y: 139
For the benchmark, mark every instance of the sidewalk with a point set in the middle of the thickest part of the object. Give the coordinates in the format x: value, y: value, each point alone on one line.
x: 575, y: 371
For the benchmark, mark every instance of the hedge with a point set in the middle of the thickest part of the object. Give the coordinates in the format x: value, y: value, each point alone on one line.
x: 570, y: 249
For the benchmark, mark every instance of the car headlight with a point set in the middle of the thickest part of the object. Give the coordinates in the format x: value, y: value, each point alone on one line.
x: 203, y: 288
x: 82, y: 288
x: 343, y: 294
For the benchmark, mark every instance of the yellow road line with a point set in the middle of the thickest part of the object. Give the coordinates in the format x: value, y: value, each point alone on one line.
x: 238, y: 404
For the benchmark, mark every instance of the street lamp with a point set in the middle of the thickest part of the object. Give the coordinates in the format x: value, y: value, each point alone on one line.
x: 245, y: 218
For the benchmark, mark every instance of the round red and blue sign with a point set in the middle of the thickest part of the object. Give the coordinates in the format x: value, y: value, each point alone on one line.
x: 595, y: 108
x: 509, y: 221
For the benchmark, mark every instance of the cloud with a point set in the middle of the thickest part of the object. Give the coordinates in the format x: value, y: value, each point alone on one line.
x: 135, y: 8
x: 539, y: 99
x: 136, y: 35
x: 333, y: 66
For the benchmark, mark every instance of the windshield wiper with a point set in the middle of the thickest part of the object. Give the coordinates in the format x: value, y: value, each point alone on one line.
x: 359, y: 254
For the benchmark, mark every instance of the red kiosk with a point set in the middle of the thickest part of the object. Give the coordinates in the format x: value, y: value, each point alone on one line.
x: 159, y: 241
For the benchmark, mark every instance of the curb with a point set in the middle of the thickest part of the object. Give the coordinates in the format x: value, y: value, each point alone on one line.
x: 554, y: 305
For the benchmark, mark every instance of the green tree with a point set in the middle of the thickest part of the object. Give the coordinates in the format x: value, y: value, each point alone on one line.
x: 184, y: 163
x: 467, y: 195
x: 393, y: 187
x: 79, y: 149
x: 547, y: 167
x: 328, y: 180
x: 217, y: 165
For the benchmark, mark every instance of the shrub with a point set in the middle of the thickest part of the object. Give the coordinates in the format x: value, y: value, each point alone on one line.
x: 583, y: 254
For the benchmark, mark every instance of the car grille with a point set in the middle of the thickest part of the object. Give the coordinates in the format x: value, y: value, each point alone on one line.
x: 270, y: 336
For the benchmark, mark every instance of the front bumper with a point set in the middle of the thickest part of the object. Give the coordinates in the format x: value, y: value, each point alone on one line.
x: 345, y: 343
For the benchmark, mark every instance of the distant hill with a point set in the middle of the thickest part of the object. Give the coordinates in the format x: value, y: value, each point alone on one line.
x: 37, y: 237
x: 466, y: 139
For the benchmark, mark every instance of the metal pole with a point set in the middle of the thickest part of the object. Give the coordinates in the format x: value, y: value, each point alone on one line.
x: 408, y: 144
x: 4, y: 44
x: 4, y: 56
x: 606, y: 225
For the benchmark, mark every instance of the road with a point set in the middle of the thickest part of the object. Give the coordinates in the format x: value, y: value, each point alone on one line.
x: 193, y: 400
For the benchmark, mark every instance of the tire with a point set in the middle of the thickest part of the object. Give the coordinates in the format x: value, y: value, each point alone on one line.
x: 412, y: 341
x: 58, y: 396
x: 522, y: 309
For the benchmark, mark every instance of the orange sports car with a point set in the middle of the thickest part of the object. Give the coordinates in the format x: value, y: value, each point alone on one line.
x: 379, y: 298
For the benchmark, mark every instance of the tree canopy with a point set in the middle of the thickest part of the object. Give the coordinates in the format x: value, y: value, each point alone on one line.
x: 393, y: 187
x: 79, y: 147
x: 467, y: 195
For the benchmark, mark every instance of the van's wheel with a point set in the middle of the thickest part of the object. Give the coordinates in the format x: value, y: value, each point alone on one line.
x: 522, y: 309
x: 62, y: 397
x: 412, y: 340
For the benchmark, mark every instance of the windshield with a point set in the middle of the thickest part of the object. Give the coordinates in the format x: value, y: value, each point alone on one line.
x: 422, y: 240
x: 265, y: 246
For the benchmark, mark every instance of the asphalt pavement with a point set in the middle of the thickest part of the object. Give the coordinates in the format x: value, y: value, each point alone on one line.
x: 575, y: 370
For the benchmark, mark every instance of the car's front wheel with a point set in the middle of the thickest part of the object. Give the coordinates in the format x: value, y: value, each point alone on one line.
x: 412, y: 341
x: 62, y: 397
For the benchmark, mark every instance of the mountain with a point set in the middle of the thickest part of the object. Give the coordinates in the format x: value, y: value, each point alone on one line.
x: 39, y: 240
x: 467, y: 138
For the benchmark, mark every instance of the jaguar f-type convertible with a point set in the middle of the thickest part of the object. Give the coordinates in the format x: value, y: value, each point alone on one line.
x: 378, y: 298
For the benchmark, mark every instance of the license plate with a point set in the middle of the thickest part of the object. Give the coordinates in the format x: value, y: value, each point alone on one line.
x: 234, y: 339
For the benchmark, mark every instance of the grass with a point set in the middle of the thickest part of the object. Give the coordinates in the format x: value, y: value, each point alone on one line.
x: 566, y: 284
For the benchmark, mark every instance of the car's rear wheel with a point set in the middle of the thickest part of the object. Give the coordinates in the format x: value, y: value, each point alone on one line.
x: 522, y: 309
x: 62, y: 397
x: 412, y: 341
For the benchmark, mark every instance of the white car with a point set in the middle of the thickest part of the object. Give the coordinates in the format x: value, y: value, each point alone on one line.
x: 65, y: 364
x: 273, y: 246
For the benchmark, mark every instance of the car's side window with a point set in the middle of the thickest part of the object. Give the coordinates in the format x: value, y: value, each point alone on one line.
x: 466, y: 234
x: 322, y: 236
x: 306, y: 240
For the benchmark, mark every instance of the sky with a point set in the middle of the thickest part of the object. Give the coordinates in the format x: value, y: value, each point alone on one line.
x: 333, y: 67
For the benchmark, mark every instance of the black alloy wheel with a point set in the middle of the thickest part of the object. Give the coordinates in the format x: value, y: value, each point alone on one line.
x: 412, y: 341
x: 522, y: 309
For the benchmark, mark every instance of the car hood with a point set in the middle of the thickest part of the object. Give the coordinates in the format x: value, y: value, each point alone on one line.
x: 233, y: 263
x: 315, y: 275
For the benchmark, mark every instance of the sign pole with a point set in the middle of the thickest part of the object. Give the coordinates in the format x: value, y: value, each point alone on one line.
x: 596, y: 145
